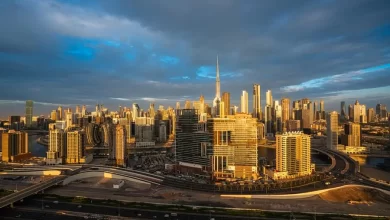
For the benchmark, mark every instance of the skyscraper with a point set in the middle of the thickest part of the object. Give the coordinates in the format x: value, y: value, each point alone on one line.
x: 177, y: 105
x: 29, y: 112
x: 322, y: 106
x: 285, y: 109
x: 59, y: 113
x: 244, y: 102
x: 75, y: 150
x: 56, y: 153
x: 234, y: 146
x: 120, y: 144
x: 268, y: 95
x: 256, y: 102
x: 343, y: 111
x: 293, y: 154
x: 332, y: 130
x: 136, y: 111
x: 226, y: 101
x: 352, y: 135
x: 192, y: 141
x: 356, y: 112
x: 217, y: 99
x: 370, y: 114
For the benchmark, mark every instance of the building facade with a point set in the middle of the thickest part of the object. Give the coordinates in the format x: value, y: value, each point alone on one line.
x: 293, y: 154
x: 332, y: 130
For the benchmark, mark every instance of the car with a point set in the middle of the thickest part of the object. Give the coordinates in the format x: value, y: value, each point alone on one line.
x: 46, y: 206
x: 18, y: 216
x: 79, y: 206
x: 166, y: 216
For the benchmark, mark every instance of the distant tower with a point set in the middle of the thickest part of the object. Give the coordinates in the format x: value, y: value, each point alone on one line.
x: 256, y: 102
x: 322, y: 106
x: 226, y: 101
x: 217, y: 98
x: 268, y: 98
x: 343, y: 110
x: 59, y: 113
x: 177, y: 105
x: 244, y: 102
x: 29, y: 112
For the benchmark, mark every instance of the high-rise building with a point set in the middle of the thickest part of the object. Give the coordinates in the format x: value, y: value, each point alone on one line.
x: 277, y: 111
x: 256, y: 102
x: 69, y: 119
x: 244, y: 102
x: 13, y: 145
x: 53, y: 115
x: 217, y: 99
x: 226, y: 101
x: 352, y: 136
x: 268, y: 96
x: 120, y: 145
x: 350, y: 112
x: 332, y: 130
x: 381, y: 111
x: 59, y: 113
x: 343, y: 110
x: 177, y: 105
x: 29, y: 112
x: 187, y: 104
x: 234, y: 109
x: 293, y: 154
x: 356, y: 112
x: 162, y: 134
x: 285, y: 109
x: 234, y: 146
x: 322, y: 106
x: 192, y: 142
x: 370, y: 115
x: 136, y: 111
x: 56, y: 153
x: 363, y: 112
x: 75, y: 149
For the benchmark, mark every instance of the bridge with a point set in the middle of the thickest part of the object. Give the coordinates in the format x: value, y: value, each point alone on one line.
x: 34, y: 189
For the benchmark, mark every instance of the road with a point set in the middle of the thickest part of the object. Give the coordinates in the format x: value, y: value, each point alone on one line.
x: 124, y: 212
x: 7, y: 200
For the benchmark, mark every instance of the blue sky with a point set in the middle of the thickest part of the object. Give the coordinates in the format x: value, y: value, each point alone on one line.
x: 118, y: 52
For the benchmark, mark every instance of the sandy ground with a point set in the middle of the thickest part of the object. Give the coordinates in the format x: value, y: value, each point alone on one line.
x: 336, y: 202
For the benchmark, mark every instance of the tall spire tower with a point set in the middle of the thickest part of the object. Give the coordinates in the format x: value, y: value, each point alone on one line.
x: 217, y: 99
x: 217, y: 83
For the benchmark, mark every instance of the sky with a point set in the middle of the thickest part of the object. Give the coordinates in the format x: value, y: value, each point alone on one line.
x: 119, y: 52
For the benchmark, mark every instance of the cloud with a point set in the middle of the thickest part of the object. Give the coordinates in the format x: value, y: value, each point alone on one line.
x: 336, y: 79
x: 58, y: 51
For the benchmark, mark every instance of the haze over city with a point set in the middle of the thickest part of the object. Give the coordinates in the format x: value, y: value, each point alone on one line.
x: 118, y: 52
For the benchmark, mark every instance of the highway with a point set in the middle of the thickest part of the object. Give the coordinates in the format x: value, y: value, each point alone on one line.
x: 14, y: 197
x: 139, y: 213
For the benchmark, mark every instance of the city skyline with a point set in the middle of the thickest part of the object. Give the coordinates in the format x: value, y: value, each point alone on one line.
x: 128, y: 56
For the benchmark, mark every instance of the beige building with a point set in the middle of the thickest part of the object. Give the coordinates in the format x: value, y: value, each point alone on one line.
x: 75, y: 150
x: 244, y: 102
x: 293, y: 154
x: 332, y: 130
x: 285, y: 102
x: 57, y: 147
x: 120, y: 145
x: 226, y: 101
x: 352, y: 135
x: 234, y: 146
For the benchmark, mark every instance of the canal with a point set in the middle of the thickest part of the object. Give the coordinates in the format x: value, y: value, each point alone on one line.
x: 35, y: 148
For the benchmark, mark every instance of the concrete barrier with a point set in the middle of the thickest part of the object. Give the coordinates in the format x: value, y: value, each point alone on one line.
x: 104, y: 175
x: 33, y: 173
x: 300, y: 195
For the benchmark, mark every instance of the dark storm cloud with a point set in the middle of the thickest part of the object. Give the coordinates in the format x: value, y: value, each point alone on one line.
x: 121, y: 51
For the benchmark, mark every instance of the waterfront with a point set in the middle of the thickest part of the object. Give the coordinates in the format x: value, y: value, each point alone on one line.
x: 368, y: 167
x: 35, y: 148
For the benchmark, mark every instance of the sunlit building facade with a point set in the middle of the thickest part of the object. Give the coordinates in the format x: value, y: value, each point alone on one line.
x: 293, y: 154
x: 234, y: 144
